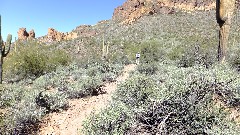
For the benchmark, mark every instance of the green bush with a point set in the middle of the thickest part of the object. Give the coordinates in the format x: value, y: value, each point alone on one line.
x: 234, y: 57
x: 23, y: 114
x: 147, y: 69
x: 23, y: 119
x: 198, y: 55
x: 25, y: 107
x: 52, y: 101
x: 173, y: 101
x: 151, y: 50
x: 113, y: 121
x: 34, y: 60
x: 191, y: 112
x: 136, y: 91
x: 10, y: 95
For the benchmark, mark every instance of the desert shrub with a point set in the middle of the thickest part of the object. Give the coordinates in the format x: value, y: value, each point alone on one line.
x: 233, y: 57
x: 52, y: 101
x: 174, y: 101
x: 136, y: 91
x: 114, y: 120
x: 147, y: 69
x: 10, y: 95
x: 191, y: 112
x: 176, y: 53
x: 151, y: 50
x: 149, y: 54
x: 23, y: 114
x: 23, y: 119
x: 34, y: 60
x: 118, y: 58
x: 86, y: 86
x: 76, y: 81
x: 198, y: 55
x: 107, y: 71
x: 23, y: 111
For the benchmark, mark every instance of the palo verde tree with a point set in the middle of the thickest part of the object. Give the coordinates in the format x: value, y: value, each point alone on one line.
x: 224, y: 13
x: 3, y: 52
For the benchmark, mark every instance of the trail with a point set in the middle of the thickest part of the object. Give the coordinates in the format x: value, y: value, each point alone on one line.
x: 70, y: 122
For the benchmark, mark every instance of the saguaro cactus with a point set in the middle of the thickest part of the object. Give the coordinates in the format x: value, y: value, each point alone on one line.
x: 224, y: 13
x: 105, y: 48
x: 3, y: 52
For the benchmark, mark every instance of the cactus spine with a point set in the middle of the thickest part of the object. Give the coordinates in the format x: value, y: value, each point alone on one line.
x: 3, y: 53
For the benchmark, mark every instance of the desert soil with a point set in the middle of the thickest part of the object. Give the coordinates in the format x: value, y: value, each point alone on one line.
x: 70, y: 122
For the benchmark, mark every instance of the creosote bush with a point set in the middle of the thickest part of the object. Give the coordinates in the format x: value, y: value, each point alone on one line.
x: 33, y: 60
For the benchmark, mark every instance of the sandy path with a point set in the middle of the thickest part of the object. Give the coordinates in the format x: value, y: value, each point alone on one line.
x: 70, y: 122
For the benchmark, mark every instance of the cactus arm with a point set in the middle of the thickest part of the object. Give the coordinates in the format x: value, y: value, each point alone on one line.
x: 9, y: 40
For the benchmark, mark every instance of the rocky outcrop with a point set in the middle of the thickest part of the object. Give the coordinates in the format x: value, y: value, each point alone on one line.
x: 31, y: 34
x: 132, y: 10
x: 54, y: 35
x: 70, y: 35
x: 23, y: 34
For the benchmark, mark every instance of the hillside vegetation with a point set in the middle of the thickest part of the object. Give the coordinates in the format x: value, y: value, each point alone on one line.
x: 179, y: 87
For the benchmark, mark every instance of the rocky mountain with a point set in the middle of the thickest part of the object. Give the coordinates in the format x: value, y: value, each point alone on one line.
x: 132, y: 10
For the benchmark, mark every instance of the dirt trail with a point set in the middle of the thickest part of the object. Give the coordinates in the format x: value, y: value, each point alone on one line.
x: 70, y: 121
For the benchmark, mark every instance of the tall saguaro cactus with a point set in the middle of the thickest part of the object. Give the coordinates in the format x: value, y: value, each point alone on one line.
x: 3, y: 52
x: 104, y: 48
x: 224, y: 13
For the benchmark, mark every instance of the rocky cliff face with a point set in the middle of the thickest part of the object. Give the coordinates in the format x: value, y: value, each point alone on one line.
x: 54, y: 35
x: 23, y: 34
x: 132, y: 10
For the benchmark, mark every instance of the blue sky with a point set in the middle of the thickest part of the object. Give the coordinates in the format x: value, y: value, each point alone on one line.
x: 63, y: 15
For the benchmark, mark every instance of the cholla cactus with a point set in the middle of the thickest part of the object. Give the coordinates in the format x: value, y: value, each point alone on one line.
x: 3, y: 52
x: 224, y: 13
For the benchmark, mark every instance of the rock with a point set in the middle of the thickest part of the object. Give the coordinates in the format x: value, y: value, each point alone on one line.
x: 132, y: 10
x: 51, y: 34
x: 31, y: 34
x: 71, y: 35
x: 54, y: 35
x: 22, y: 34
